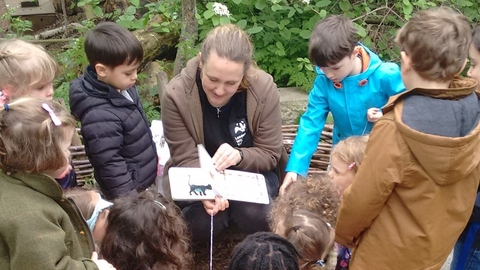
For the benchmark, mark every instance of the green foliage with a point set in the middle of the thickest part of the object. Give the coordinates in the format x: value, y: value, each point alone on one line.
x: 16, y: 26
x: 280, y: 29
x: 72, y: 61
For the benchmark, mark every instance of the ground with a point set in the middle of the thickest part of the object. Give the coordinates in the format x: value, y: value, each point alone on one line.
x: 222, y: 249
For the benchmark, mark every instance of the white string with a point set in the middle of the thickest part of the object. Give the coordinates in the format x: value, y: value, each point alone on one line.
x: 211, y: 240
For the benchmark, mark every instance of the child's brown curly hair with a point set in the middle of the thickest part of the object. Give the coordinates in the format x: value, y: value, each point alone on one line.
x: 317, y: 195
x: 146, y: 232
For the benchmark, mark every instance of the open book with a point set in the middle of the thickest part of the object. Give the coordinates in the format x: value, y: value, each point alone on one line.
x: 204, y: 183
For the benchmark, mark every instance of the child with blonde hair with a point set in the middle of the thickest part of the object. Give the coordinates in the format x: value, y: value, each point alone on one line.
x: 146, y: 232
x: 416, y: 188
x: 28, y: 70
x: 39, y: 227
x: 305, y: 216
x: 345, y: 160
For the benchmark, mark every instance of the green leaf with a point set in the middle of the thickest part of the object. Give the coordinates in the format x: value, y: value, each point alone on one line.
x: 279, y: 45
x: 224, y: 20
x: 254, y: 30
x: 323, y: 3
x: 361, y: 31
x: 284, y: 22
x: 124, y: 23
x: 286, y: 33
x: 238, y: 2
x: 130, y: 10
x: 135, y: 3
x: 215, y: 20
x: 407, y: 9
x: 271, y: 24
x: 323, y: 13
x: 81, y: 4
x: 260, y: 5
x: 305, y: 34
x: 291, y: 13
x: 276, y: 7
x: 345, y: 6
x: 97, y: 11
x: 464, y: 3
x: 138, y: 24
x: 242, y: 23
x: 208, y: 14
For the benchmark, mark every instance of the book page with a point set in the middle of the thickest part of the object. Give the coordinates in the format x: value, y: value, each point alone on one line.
x: 246, y: 187
x: 205, y: 183
x: 191, y: 184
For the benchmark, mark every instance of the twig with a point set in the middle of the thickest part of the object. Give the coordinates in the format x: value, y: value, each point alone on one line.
x: 65, y: 18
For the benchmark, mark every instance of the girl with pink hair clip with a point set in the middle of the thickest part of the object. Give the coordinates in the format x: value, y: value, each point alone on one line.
x: 39, y: 227
x: 345, y: 160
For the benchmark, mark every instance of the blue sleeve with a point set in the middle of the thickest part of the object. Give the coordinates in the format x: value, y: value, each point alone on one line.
x: 392, y: 83
x: 309, y: 129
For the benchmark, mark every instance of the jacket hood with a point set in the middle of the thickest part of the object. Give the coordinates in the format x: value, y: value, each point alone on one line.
x: 374, y: 63
x: 446, y: 159
x: 88, y: 92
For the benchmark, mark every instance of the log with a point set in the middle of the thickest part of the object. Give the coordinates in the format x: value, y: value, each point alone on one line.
x: 154, y: 43
x: 188, y: 35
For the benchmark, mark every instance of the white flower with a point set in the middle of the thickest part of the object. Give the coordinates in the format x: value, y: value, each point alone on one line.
x: 306, y: 2
x: 221, y: 9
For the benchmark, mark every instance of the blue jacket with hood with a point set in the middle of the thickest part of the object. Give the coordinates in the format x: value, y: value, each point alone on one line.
x: 348, y: 105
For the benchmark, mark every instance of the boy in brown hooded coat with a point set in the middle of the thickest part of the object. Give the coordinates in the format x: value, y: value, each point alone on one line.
x: 416, y: 188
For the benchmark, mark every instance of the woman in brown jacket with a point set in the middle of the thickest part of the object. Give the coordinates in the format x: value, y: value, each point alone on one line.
x: 221, y: 100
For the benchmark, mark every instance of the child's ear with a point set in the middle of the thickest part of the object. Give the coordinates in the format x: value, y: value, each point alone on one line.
x: 406, y: 64
x: 355, y: 52
x: 101, y: 70
x: 461, y: 69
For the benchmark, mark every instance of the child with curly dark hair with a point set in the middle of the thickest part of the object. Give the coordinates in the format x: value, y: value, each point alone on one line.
x: 264, y: 251
x: 305, y: 216
x: 146, y: 232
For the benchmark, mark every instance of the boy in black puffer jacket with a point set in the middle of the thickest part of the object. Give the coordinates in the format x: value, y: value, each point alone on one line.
x: 115, y: 129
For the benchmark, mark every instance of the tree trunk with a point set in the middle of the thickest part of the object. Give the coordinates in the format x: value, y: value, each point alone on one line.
x: 188, y: 35
x: 154, y: 43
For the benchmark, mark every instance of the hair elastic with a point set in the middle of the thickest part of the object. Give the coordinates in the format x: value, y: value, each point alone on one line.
x: 350, y: 167
x: 56, y: 121
x: 160, y: 204
x: 296, y: 228
x: 6, y: 107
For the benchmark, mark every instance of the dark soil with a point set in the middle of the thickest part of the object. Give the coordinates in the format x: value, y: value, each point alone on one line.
x: 222, y: 248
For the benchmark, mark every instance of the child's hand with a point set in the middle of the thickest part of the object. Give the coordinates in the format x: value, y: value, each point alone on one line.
x: 373, y: 114
x: 102, y: 264
x: 219, y: 204
x: 290, y: 177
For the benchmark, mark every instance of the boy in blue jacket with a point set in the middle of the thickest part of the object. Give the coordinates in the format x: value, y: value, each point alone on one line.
x: 352, y: 83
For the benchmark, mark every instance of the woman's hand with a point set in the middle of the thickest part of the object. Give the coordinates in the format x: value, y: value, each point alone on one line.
x: 225, y: 157
x: 219, y: 204
x: 290, y: 177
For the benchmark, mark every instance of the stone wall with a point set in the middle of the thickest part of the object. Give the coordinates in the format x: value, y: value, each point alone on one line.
x: 293, y: 103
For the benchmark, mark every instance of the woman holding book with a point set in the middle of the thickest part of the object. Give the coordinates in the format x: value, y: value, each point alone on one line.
x: 223, y: 101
